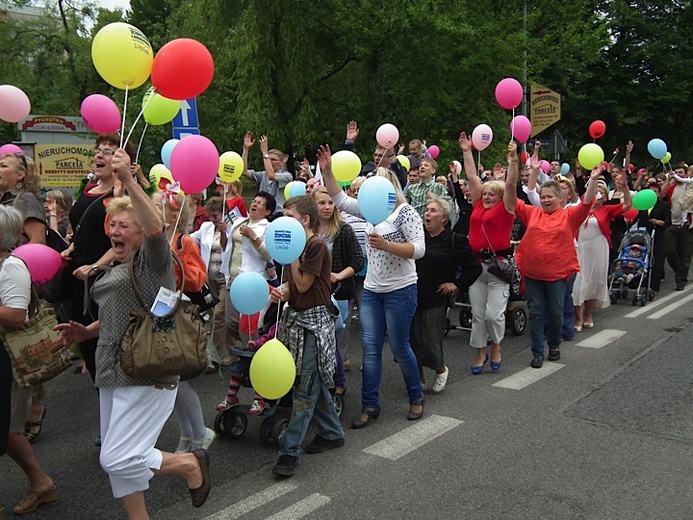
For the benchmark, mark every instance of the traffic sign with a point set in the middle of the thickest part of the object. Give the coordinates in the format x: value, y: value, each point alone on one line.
x: 185, y: 123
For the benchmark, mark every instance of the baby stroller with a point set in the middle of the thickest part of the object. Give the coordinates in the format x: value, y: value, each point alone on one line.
x: 637, y: 286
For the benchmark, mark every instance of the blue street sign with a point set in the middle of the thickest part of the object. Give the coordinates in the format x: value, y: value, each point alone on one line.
x: 185, y: 122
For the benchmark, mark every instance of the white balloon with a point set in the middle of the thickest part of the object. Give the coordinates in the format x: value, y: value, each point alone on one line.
x: 482, y: 136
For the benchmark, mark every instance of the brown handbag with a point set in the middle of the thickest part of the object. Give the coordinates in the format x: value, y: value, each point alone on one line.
x: 172, y: 345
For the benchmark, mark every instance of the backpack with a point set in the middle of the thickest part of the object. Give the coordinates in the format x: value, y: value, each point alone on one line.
x: 196, y: 287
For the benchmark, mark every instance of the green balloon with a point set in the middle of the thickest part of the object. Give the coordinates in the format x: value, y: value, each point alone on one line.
x: 344, y: 184
x: 644, y: 199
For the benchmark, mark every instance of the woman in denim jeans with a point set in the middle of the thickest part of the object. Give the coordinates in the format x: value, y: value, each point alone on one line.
x: 390, y: 294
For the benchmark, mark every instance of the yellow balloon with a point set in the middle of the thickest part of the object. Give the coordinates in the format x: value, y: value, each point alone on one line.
x: 122, y: 55
x: 346, y: 165
x: 404, y: 161
x: 272, y: 370
x: 158, y: 172
x: 159, y: 110
x: 230, y: 166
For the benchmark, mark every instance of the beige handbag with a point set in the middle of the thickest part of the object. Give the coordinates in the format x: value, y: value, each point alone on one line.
x: 172, y: 345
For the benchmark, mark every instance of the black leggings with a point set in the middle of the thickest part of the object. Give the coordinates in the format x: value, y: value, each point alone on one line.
x: 5, y: 397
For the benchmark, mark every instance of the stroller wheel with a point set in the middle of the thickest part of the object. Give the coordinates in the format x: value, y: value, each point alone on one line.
x: 465, y: 317
x: 278, y: 431
x: 650, y: 294
x: 230, y: 424
x: 518, y: 321
x: 266, y: 428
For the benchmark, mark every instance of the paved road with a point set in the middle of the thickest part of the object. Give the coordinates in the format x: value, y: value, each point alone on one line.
x: 604, y: 433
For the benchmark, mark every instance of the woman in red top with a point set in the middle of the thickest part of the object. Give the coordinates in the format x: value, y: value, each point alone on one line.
x: 490, y: 224
x: 234, y: 198
x: 547, y: 260
x: 591, y: 289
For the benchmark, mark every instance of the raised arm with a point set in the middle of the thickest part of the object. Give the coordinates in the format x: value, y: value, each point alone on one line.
x: 470, y: 168
x: 510, y: 193
x: 145, y: 210
x: 592, y: 185
x: 269, y: 169
x: 621, y: 183
x: 248, y: 143
x: 324, y: 157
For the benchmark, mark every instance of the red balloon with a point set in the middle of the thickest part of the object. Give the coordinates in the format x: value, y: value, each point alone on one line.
x: 597, y: 129
x: 182, y: 69
x: 249, y: 323
x: 631, y: 214
x: 524, y: 156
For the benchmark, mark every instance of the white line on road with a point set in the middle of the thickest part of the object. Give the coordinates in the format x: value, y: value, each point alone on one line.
x: 601, y: 338
x: 666, y: 310
x: 528, y: 376
x: 658, y: 302
x: 302, y: 507
x: 253, y: 502
x: 413, y: 437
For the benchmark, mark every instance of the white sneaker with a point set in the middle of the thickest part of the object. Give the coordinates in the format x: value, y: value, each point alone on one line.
x: 440, y: 381
x: 205, y: 443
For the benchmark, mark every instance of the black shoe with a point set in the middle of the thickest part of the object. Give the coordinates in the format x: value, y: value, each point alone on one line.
x: 680, y: 286
x: 285, y: 466
x: 554, y: 354
x: 370, y: 413
x: 537, y: 362
x: 414, y: 416
x: 320, y: 444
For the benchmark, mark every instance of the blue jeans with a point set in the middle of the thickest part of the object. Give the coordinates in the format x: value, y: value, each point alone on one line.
x: 311, y: 398
x: 568, y: 329
x: 391, y: 311
x: 545, y: 299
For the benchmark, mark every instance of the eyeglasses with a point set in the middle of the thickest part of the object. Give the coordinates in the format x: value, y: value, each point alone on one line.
x: 380, y: 156
x: 106, y: 152
x: 22, y: 158
x: 259, y: 203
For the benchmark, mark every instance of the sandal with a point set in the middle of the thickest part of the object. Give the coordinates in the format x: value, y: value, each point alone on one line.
x: 33, y: 436
x: 588, y: 324
x: 34, y: 499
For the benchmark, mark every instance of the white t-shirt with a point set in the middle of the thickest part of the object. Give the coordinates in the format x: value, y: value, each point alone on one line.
x: 15, y: 284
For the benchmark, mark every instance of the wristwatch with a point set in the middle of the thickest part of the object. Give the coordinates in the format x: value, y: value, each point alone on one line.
x: 265, y: 155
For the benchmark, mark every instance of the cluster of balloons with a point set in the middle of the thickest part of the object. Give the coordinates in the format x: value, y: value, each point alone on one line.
x: 14, y: 104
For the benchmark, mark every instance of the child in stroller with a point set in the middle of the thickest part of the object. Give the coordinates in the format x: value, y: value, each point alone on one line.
x: 629, y: 269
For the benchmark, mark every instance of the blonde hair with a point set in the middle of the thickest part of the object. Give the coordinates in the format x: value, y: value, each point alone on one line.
x: 356, y: 183
x: 179, y: 206
x: 31, y: 183
x: 62, y: 198
x: 495, y: 187
x: 390, y: 176
x: 235, y: 188
x: 335, y: 221
x: 118, y: 204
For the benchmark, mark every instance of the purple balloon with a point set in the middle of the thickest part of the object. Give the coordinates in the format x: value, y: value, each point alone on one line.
x: 9, y: 149
x: 194, y: 163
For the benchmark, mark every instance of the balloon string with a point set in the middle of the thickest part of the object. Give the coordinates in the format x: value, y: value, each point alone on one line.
x: 125, y: 111
x: 139, y: 146
x: 276, y: 324
x: 180, y: 212
x: 137, y: 119
x: 223, y: 206
x: 478, y: 162
x: 512, y: 126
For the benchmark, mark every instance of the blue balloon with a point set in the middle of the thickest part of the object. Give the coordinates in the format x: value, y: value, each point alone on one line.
x: 297, y: 188
x: 249, y: 292
x: 565, y: 168
x: 166, y: 151
x: 657, y: 148
x: 285, y: 239
x: 377, y: 198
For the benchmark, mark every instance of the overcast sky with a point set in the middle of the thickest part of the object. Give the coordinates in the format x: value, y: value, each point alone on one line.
x: 111, y: 4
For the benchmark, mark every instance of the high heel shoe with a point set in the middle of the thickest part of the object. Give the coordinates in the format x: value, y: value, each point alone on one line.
x: 370, y: 413
x: 413, y: 416
x: 495, y: 366
x: 479, y: 368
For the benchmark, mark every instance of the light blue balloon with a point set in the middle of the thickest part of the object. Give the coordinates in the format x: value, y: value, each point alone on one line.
x: 285, y: 239
x: 657, y: 148
x: 377, y: 198
x: 166, y: 151
x: 297, y: 189
x: 249, y: 292
x: 565, y: 168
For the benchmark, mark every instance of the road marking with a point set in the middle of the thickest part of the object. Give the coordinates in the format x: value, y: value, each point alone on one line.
x: 601, y: 338
x: 253, y: 502
x: 666, y: 310
x: 657, y: 303
x: 302, y: 507
x: 413, y: 437
x: 528, y: 376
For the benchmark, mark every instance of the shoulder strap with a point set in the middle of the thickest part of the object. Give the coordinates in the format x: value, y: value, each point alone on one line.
x: 81, y: 219
x: 179, y: 242
x: 138, y: 294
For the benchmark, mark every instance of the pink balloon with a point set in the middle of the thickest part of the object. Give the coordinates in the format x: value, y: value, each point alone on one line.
x: 482, y: 137
x: 9, y: 149
x: 509, y: 93
x: 43, y: 262
x: 100, y: 114
x: 387, y: 135
x: 433, y: 151
x: 194, y: 163
x: 521, y: 128
x: 545, y: 166
x: 14, y: 104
